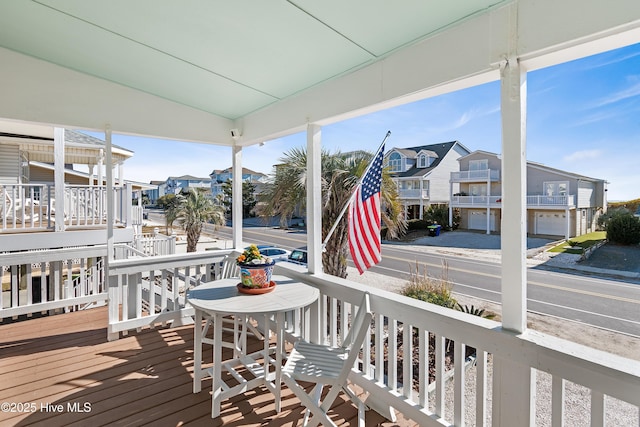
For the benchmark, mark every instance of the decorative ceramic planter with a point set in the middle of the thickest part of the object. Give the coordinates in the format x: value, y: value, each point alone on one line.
x: 256, y: 275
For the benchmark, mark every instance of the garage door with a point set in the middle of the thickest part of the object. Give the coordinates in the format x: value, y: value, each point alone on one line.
x: 553, y: 223
x: 478, y: 220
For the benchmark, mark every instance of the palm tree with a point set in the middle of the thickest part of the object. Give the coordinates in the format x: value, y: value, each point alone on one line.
x: 339, y: 176
x: 196, y: 209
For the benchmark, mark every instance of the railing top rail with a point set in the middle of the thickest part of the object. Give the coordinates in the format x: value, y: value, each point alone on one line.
x: 125, y: 266
x: 28, y: 257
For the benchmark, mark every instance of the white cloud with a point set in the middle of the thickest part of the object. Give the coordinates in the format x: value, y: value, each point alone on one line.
x: 582, y: 155
x: 621, y: 95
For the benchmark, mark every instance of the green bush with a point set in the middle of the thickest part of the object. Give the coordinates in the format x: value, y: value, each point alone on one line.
x: 624, y: 229
x: 439, y: 214
x: 417, y: 224
x: 603, y: 220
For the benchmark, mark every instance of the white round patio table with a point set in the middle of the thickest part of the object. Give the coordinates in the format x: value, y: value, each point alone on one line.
x: 213, y: 301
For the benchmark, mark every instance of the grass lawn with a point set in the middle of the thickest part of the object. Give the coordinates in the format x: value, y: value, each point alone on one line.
x: 576, y: 245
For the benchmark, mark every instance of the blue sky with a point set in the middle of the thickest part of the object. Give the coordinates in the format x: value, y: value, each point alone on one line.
x: 583, y: 117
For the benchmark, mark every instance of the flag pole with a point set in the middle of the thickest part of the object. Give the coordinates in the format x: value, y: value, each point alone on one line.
x: 355, y: 189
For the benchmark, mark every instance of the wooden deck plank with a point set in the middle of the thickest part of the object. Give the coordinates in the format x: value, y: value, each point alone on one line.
x: 142, y: 379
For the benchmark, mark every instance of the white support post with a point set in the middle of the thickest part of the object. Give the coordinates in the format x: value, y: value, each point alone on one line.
x: 513, y: 383
x: 58, y: 177
x: 110, y: 192
x: 120, y: 174
x: 314, y: 199
x: 488, y: 202
x: 236, y: 195
x: 450, y: 203
x: 420, y: 216
x: 513, y: 230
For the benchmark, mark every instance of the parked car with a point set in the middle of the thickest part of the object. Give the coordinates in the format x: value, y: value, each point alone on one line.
x: 298, y: 256
x: 276, y: 254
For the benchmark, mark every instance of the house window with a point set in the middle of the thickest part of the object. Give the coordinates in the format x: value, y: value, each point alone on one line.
x: 556, y: 188
x: 395, y: 162
x: 478, y: 189
x: 424, y: 161
x: 478, y: 165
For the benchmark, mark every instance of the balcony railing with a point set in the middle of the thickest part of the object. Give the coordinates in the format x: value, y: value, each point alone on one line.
x: 478, y: 175
x: 480, y: 201
x: 416, y: 385
x: 413, y: 194
x: 495, y: 201
x: 32, y: 207
x: 148, y: 290
x: 551, y: 200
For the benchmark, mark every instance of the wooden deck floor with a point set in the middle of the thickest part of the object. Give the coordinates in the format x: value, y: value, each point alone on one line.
x: 61, y: 370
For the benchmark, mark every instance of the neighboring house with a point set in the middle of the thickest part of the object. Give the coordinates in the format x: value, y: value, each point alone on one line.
x: 153, y: 194
x: 184, y: 183
x: 219, y: 177
x: 46, y: 204
x: 559, y: 203
x: 422, y: 174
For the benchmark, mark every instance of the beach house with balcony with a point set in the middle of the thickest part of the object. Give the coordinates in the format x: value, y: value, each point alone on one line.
x: 235, y: 76
x: 220, y: 176
x: 422, y: 174
x: 559, y: 203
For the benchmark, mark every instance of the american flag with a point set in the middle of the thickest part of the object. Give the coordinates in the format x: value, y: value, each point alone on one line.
x: 364, y: 218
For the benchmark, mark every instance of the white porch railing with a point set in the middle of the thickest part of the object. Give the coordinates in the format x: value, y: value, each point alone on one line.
x: 478, y: 175
x: 479, y: 201
x: 495, y: 201
x: 413, y: 194
x: 416, y: 387
x: 155, y: 244
x: 32, y: 207
x: 39, y: 281
x: 405, y: 326
x: 145, y: 291
x: 563, y: 201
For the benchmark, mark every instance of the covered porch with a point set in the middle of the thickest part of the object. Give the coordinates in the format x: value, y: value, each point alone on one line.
x: 394, y: 56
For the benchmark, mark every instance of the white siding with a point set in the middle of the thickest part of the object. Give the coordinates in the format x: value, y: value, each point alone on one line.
x: 439, y: 177
x: 9, y: 163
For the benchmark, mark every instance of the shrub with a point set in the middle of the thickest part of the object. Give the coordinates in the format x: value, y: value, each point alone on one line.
x: 476, y: 311
x: 604, y: 219
x: 435, y: 290
x: 417, y: 224
x: 624, y: 229
x: 439, y: 214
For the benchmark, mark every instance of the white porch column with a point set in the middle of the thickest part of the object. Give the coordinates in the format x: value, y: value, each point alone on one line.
x: 514, y: 232
x: 568, y: 216
x: 91, y: 175
x: 58, y: 177
x: 489, y: 202
x: 314, y: 198
x: 110, y: 192
x: 100, y: 167
x: 450, y: 202
x: 513, y: 383
x: 121, y: 173
x: 421, y: 200
x: 236, y: 196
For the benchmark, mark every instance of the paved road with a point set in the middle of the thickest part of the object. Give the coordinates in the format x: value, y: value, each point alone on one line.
x: 599, y: 301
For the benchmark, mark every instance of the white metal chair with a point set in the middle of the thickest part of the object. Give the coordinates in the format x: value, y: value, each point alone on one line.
x: 330, y: 366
